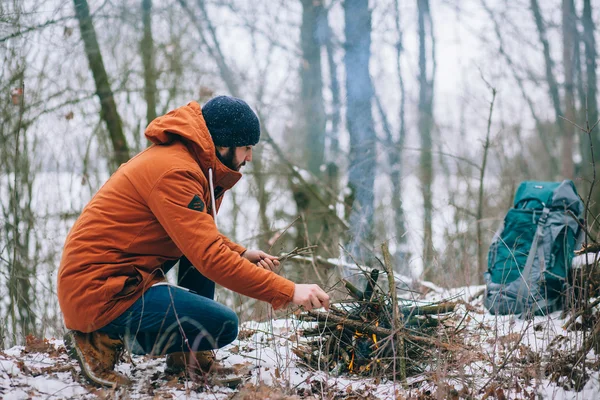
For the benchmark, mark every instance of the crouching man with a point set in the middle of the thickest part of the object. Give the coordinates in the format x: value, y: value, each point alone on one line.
x: 157, y: 209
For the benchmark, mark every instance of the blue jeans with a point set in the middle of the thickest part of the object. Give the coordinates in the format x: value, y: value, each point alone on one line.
x: 169, y: 319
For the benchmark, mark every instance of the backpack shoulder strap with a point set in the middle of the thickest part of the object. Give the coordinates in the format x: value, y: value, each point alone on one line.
x: 526, y: 275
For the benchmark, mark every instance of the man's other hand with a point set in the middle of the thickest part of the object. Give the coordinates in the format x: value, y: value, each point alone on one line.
x: 262, y: 259
x: 310, y: 296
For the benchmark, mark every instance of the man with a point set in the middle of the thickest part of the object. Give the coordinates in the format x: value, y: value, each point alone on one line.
x: 157, y: 209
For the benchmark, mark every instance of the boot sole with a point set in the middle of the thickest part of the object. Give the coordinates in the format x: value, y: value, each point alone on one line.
x: 75, y: 354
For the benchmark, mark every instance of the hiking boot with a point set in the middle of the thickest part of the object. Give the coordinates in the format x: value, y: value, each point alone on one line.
x: 199, y: 361
x: 97, y: 354
x: 203, y: 365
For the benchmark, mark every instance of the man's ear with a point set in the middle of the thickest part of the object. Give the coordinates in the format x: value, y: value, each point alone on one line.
x: 221, y: 150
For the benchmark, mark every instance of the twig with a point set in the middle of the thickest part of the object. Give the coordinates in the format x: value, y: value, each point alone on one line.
x: 283, y: 233
x: 570, y: 213
x: 486, y: 147
x: 579, y: 313
x: 590, y: 248
x: 298, y: 251
x: 477, y: 295
x: 501, y: 367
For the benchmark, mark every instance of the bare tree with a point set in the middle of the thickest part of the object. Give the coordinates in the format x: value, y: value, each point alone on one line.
x: 591, y: 104
x: 18, y: 243
x: 396, y: 148
x: 359, y: 118
x: 109, y: 112
x: 147, y: 50
x: 336, y: 103
x: 311, y: 104
x: 426, y: 82
x: 552, y: 165
x: 590, y: 64
x: 569, y: 34
x: 549, y: 68
x: 314, y: 33
x: 209, y: 40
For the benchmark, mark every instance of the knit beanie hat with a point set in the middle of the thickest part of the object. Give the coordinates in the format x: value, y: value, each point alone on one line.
x: 231, y: 122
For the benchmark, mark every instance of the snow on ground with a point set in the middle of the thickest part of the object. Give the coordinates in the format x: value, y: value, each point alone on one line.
x: 499, y: 357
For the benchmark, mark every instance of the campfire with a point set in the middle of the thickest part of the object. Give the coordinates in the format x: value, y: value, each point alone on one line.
x: 376, y: 333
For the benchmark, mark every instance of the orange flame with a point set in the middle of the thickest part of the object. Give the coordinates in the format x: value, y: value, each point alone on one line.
x: 375, y: 336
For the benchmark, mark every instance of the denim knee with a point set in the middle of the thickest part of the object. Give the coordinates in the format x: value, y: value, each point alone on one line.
x: 230, y: 329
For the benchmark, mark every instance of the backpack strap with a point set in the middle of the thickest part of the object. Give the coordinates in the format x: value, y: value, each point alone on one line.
x: 526, y: 275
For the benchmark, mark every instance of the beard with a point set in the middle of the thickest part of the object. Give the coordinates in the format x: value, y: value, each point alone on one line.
x: 228, y: 159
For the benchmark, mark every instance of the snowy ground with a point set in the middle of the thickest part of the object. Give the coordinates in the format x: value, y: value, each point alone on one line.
x: 499, y: 357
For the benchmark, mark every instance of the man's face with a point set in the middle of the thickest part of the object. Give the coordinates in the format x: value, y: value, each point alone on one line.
x: 234, y: 157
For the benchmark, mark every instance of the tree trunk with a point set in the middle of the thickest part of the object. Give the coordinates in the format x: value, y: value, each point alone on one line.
x: 263, y: 198
x: 590, y: 67
x: 336, y: 104
x: 314, y: 228
x: 549, y: 64
x: 17, y: 239
x: 109, y: 112
x: 312, y: 105
x: 578, y: 69
x: 147, y: 50
x: 481, y: 249
x: 425, y: 134
x: 332, y: 172
x: 591, y: 109
x: 359, y: 91
x: 568, y: 18
x: 396, y: 155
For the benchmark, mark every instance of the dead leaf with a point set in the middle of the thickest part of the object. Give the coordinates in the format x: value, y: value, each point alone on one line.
x: 36, y: 345
x: 500, y: 394
x: 243, y: 368
x: 245, y: 334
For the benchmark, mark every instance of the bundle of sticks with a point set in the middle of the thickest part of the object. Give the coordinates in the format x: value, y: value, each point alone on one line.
x: 376, y: 333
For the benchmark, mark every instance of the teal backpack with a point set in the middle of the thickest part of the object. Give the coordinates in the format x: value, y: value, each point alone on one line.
x: 530, y: 256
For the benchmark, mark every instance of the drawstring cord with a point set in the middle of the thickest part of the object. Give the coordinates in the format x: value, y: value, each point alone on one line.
x: 212, y: 195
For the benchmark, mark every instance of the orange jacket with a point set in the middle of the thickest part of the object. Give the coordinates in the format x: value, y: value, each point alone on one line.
x: 156, y: 208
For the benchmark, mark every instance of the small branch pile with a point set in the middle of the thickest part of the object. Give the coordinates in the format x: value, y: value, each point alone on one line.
x: 365, y: 336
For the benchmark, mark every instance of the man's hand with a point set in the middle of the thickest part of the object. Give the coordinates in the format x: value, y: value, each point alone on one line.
x: 310, y: 296
x: 262, y: 259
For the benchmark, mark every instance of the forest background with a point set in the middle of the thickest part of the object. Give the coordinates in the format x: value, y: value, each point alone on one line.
x: 406, y: 122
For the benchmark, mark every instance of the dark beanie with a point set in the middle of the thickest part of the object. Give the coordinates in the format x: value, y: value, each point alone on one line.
x: 231, y: 122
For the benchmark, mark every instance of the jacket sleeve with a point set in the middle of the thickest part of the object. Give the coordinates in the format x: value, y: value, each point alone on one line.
x: 196, y: 235
x: 232, y: 245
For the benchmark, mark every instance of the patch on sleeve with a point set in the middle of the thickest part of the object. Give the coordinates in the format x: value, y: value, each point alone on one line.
x: 196, y: 203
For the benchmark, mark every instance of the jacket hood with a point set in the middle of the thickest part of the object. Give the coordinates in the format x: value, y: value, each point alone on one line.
x: 187, y: 124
